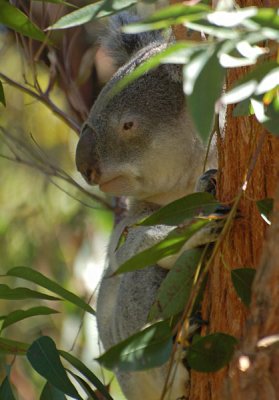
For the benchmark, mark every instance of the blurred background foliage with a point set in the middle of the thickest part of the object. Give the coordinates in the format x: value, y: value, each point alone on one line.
x: 42, y: 226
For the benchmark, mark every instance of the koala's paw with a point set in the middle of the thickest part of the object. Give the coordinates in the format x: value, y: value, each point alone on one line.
x: 207, y: 182
x: 208, y: 234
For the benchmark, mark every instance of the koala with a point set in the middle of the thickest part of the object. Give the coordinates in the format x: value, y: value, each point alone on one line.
x: 140, y: 143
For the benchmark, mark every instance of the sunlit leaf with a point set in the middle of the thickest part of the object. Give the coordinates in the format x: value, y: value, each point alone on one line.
x: 203, y: 74
x: 6, y: 392
x: 2, y: 95
x: 187, y: 207
x: 85, y: 371
x: 175, y: 290
x: 247, y: 86
x: 268, y: 19
x: 66, y: 3
x: 242, y: 279
x: 265, y: 207
x: 32, y: 275
x: 230, y: 19
x: 85, y: 14
x: 44, y: 358
x: 149, y: 348
x: 21, y: 293
x: 8, y: 346
x: 19, y: 315
x: 50, y: 392
x: 212, y: 352
x: 15, y: 19
x: 167, y: 16
x: 266, y: 115
x: 167, y: 247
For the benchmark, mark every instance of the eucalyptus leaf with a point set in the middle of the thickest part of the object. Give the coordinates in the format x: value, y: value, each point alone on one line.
x: 15, y: 19
x: 32, y: 275
x: 50, y: 392
x: 267, y: 115
x: 211, y: 353
x: 242, y: 279
x: 2, y: 95
x: 8, y: 346
x: 19, y: 315
x: 146, y: 349
x: 187, y: 207
x: 21, y: 293
x: 87, y: 13
x: 44, y: 358
x: 85, y: 386
x: 6, y: 392
x: 203, y: 83
x: 85, y: 371
x: 66, y: 3
x: 167, y: 247
x: 175, y: 290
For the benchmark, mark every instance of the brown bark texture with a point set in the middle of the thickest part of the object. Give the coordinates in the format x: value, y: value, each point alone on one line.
x: 245, y: 150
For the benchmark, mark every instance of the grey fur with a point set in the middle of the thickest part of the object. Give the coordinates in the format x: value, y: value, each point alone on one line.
x: 140, y: 143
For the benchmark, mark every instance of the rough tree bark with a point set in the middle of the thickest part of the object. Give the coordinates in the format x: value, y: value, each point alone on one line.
x: 254, y: 372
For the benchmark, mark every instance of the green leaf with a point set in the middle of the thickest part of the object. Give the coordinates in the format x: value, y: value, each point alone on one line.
x: 212, y: 352
x: 85, y: 386
x: 175, y: 290
x: 247, y: 86
x: 21, y: 293
x: 268, y: 115
x: 167, y: 247
x: 2, y: 95
x: 44, y: 358
x: 19, y: 315
x: 85, y: 371
x: 243, y: 108
x: 50, y: 392
x: 66, y: 3
x: 13, y: 18
x: 187, y: 207
x: 31, y: 275
x: 268, y: 19
x: 6, y: 390
x: 85, y: 14
x: 265, y: 207
x: 233, y: 18
x: 203, y: 74
x: 242, y: 279
x: 8, y: 346
x: 149, y: 348
x: 167, y: 16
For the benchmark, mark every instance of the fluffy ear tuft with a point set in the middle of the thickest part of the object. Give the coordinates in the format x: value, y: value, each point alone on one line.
x: 120, y: 46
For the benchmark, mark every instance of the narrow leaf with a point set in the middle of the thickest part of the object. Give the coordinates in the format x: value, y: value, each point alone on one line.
x: 13, y: 18
x: 85, y: 386
x: 85, y: 371
x: 242, y: 279
x: 211, y: 353
x: 44, y: 358
x: 8, y: 346
x: 187, y: 207
x: 203, y: 74
x: 149, y: 348
x: 2, y: 95
x: 31, y: 275
x: 6, y: 392
x: 167, y: 247
x: 85, y: 14
x: 265, y: 207
x: 50, y: 392
x: 21, y: 293
x: 66, y: 3
x: 19, y: 315
x: 175, y: 290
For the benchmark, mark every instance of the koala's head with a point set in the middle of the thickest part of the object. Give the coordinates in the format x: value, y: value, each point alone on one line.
x: 140, y: 142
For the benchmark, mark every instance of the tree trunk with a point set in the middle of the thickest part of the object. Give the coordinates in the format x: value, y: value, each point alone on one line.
x: 246, y: 153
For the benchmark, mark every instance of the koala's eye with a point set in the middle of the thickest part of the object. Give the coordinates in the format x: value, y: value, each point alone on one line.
x: 128, y: 125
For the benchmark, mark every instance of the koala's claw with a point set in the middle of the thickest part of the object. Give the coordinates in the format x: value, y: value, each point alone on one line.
x: 207, y: 182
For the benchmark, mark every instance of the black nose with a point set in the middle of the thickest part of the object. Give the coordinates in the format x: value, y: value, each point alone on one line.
x: 86, y: 158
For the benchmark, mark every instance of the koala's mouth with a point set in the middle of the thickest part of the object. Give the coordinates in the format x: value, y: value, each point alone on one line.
x: 114, y: 185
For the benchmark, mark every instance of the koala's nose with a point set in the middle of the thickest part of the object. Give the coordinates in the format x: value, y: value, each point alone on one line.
x: 86, y: 158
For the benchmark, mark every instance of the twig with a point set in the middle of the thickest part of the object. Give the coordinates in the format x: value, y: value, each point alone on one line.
x: 45, y: 100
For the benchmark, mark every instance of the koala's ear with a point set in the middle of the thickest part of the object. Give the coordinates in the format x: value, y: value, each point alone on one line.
x: 105, y: 65
x: 175, y: 72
